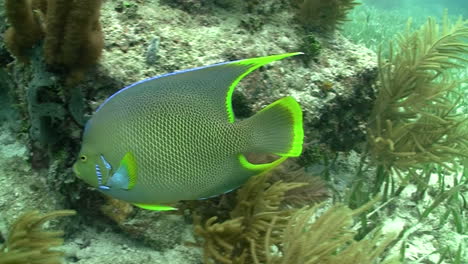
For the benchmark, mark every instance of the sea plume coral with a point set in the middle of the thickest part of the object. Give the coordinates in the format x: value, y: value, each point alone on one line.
x: 264, y: 227
x: 259, y: 231
x: 25, y: 30
x: 28, y: 243
x: 71, y: 31
x: 326, y: 240
x: 234, y: 240
x: 324, y: 15
x: 415, y: 119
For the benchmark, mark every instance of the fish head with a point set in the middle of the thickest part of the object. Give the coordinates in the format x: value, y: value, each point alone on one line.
x: 85, y: 167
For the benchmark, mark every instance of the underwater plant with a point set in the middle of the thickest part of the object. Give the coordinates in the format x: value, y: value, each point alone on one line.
x: 25, y: 30
x: 264, y: 227
x: 415, y: 119
x: 233, y: 240
x: 324, y: 15
x: 417, y: 128
x: 28, y: 243
x: 311, y: 48
x: 327, y: 240
x: 71, y: 31
x: 55, y: 35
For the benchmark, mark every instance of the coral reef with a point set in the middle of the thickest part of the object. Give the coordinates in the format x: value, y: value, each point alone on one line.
x: 50, y: 109
x: 332, y: 87
x: 260, y: 229
x: 28, y: 243
x: 234, y: 233
x: 327, y: 240
x: 25, y: 30
x: 71, y: 31
x: 324, y: 15
x: 415, y: 120
x: 258, y: 203
x: 72, y: 41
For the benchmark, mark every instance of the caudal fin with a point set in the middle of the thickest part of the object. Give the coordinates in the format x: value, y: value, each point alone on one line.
x: 278, y: 128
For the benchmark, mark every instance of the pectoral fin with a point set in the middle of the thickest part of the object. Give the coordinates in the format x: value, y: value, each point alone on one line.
x: 126, y: 175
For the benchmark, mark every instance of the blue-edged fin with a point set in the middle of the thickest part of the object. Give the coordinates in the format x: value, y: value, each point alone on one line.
x: 155, y: 207
x: 278, y: 129
x: 126, y: 175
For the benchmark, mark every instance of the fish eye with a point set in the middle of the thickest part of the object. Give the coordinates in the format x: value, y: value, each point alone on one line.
x: 83, y: 158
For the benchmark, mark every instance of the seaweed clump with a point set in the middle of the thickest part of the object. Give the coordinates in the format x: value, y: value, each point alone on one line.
x: 28, y: 243
x: 416, y: 118
x: 324, y: 15
x: 237, y: 238
x: 263, y: 227
x: 327, y: 240
x: 71, y: 31
x: 25, y: 30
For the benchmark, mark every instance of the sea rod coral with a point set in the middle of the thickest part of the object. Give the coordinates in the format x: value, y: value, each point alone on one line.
x: 28, y: 243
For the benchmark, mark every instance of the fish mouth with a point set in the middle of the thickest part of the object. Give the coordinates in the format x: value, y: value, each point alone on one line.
x: 75, y: 170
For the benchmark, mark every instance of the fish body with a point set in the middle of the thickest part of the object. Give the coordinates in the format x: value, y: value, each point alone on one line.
x: 174, y: 137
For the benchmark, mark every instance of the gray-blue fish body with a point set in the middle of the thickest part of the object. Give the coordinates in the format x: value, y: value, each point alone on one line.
x: 174, y: 137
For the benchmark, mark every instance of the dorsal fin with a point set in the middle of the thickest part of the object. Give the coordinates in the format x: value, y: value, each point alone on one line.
x: 213, y: 84
x: 248, y: 66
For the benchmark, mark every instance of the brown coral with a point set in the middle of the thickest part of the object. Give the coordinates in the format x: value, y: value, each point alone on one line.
x: 27, y: 243
x: 326, y: 240
x: 259, y: 223
x: 25, y: 30
x: 117, y: 210
x: 415, y: 119
x: 71, y: 30
x: 324, y: 15
x: 234, y: 240
x: 74, y: 37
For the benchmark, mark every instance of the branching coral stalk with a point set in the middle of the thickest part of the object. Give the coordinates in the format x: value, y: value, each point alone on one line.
x: 71, y: 31
x: 83, y: 40
x: 325, y: 15
x: 261, y: 231
x: 414, y: 119
x: 25, y: 30
x: 56, y: 16
x: 233, y: 241
x: 28, y: 243
x: 311, y: 238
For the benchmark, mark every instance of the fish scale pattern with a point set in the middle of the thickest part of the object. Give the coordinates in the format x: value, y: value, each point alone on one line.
x: 180, y: 131
x: 180, y: 149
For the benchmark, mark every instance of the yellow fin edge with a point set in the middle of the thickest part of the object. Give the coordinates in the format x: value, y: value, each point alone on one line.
x: 293, y: 107
x: 130, y: 164
x: 260, y: 168
x: 255, y: 64
x: 155, y: 207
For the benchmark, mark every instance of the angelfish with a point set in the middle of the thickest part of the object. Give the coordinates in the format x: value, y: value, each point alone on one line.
x: 174, y: 137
